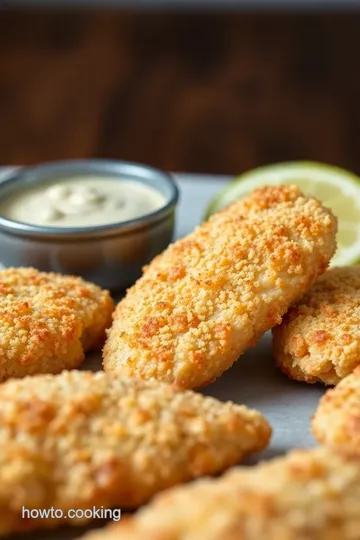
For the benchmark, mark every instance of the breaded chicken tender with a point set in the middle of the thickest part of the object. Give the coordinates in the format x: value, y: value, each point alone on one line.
x: 211, y: 295
x: 81, y: 439
x: 306, y: 495
x: 319, y: 338
x: 47, y: 321
x: 336, y: 422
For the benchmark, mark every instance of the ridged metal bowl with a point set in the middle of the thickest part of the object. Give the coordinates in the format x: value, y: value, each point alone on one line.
x: 110, y: 255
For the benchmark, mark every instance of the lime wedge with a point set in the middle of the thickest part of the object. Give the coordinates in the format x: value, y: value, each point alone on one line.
x: 336, y: 188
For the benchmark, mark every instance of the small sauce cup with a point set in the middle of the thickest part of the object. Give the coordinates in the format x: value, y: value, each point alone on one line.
x: 112, y: 255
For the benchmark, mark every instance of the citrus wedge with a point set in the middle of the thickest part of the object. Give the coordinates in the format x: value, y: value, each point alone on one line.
x: 336, y: 188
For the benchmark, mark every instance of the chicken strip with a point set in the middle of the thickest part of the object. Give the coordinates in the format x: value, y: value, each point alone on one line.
x: 48, y: 321
x: 306, y: 495
x: 319, y: 338
x: 80, y: 439
x: 211, y: 295
x: 337, y: 420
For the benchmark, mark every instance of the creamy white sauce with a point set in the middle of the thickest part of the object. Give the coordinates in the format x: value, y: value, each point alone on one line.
x: 82, y: 201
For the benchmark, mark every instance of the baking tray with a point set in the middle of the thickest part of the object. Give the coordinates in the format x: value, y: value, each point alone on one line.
x: 253, y: 380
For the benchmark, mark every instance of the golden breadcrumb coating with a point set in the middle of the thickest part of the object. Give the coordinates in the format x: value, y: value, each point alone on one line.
x: 81, y: 439
x: 306, y: 495
x: 319, y: 338
x: 336, y: 422
x: 211, y: 295
x: 47, y: 321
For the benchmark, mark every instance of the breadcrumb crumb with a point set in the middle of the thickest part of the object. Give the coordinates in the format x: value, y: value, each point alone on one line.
x: 81, y: 439
x: 336, y: 422
x: 306, y: 495
x: 319, y: 338
x: 47, y: 321
x: 211, y: 295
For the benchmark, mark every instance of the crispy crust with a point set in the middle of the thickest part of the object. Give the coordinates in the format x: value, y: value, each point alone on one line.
x: 319, y: 338
x: 307, y: 495
x: 211, y: 295
x: 47, y: 321
x: 80, y: 439
x: 337, y: 420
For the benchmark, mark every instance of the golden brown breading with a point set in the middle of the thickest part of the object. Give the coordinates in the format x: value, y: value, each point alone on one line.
x: 306, y: 495
x: 47, y: 321
x: 319, y: 338
x: 211, y: 295
x: 336, y: 422
x: 81, y: 439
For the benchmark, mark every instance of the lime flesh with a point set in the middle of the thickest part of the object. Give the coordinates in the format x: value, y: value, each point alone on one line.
x: 338, y: 190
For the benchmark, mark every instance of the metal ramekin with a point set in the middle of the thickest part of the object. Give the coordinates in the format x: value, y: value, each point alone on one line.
x: 110, y: 255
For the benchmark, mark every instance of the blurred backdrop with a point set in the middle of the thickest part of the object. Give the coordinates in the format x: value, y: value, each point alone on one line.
x: 215, y: 92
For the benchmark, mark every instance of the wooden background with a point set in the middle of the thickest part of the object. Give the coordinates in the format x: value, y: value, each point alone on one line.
x: 217, y: 93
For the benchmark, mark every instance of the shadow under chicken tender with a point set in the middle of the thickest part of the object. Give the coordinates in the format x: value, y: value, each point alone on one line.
x: 81, y: 439
x: 306, y: 495
x: 48, y: 321
x: 211, y: 295
x: 336, y: 422
x: 319, y: 338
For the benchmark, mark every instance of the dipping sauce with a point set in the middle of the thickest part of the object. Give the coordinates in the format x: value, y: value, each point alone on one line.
x: 82, y: 201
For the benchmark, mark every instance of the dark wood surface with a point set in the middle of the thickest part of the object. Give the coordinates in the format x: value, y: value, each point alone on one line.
x: 217, y: 93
